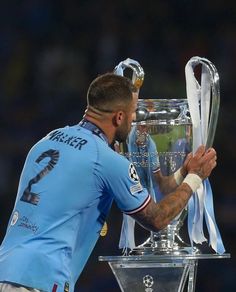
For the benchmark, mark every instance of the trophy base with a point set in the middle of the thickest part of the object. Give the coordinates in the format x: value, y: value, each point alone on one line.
x: 149, y: 273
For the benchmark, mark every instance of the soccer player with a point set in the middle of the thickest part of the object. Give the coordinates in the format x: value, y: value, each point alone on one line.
x: 68, y: 183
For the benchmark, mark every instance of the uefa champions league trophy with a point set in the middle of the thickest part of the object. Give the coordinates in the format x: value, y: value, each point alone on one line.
x: 160, y: 137
x: 163, y: 134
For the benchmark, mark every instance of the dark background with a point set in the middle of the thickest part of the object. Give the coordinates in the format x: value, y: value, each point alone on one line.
x: 51, y: 50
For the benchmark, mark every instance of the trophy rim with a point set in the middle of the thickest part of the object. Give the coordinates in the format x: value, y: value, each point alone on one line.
x: 163, y: 100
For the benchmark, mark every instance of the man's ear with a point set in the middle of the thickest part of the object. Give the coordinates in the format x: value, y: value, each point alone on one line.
x: 118, y: 118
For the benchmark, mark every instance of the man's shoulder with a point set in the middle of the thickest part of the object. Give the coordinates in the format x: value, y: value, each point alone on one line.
x: 113, y: 160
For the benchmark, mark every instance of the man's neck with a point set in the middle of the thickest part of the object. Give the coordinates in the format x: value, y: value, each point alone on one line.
x: 104, y: 125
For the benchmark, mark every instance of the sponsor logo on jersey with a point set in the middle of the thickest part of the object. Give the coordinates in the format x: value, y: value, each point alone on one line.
x: 25, y: 222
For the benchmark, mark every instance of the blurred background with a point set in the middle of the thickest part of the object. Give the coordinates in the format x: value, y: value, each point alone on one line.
x: 51, y: 50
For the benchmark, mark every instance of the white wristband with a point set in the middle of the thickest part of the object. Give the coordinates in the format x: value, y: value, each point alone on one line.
x: 193, y: 180
x: 178, y: 177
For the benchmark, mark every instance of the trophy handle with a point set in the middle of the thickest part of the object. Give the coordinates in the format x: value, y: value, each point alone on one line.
x: 138, y: 72
x: 215, y: 96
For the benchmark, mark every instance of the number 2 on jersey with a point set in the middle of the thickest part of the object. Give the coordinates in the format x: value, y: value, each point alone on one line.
x: 30, y: 197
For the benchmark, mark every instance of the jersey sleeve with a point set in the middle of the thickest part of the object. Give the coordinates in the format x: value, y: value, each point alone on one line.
x: 122, y: 182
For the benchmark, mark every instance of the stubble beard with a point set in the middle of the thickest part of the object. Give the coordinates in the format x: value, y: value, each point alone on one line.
x: 122, y: 133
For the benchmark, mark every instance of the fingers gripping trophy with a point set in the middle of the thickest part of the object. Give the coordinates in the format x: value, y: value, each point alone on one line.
x: 164, y: 133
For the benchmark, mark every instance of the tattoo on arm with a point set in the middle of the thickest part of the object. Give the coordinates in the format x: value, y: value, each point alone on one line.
x: 156, y: 216
x: 167, y: 184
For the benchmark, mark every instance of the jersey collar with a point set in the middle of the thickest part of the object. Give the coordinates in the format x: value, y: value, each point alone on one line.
x: 94, y: 129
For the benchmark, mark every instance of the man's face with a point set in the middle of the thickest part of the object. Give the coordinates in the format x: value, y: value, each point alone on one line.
x: 129, y: 116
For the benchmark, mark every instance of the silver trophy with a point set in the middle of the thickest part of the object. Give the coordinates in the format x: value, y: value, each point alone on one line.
x: 160, y: 139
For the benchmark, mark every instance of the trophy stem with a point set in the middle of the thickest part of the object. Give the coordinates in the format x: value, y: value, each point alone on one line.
x: 166, y: 241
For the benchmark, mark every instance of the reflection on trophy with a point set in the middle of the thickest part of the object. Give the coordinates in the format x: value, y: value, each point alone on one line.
x: 164, y: 132
x: 159, y: 141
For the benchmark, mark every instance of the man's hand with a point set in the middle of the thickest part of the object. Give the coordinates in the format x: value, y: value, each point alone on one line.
x: 202, y: 162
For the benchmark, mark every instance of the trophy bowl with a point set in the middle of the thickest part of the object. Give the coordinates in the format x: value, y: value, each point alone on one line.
x: 159, y: 140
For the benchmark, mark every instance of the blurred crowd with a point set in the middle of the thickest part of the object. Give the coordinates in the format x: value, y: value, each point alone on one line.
x: 51, y: 50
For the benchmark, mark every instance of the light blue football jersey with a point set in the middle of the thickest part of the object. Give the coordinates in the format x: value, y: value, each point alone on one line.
x: 68, y: 183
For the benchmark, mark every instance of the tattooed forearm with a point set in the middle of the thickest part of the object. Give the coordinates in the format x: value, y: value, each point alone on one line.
x: 166, y: 184
x: 156, y: 216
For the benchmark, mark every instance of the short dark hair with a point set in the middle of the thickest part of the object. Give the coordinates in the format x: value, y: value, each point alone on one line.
x: 110, y: 92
